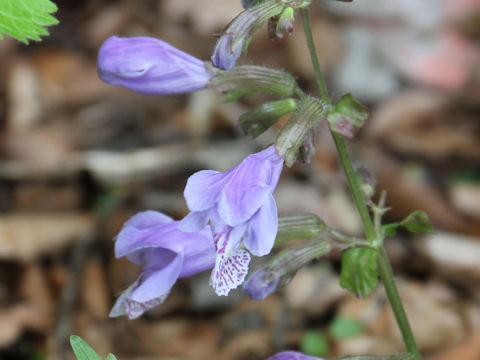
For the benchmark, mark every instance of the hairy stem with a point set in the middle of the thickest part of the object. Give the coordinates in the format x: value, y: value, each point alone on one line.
x: 384, y: 267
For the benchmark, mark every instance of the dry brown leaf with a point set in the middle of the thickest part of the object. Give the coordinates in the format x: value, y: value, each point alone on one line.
x: 94, y: 292
x: 14, y: 321
x: 435, y: 324
x: 453, y: 256
x: 423, y: 124
x: 25, y: 236
x: 467, y: 350
x: 206, y: 16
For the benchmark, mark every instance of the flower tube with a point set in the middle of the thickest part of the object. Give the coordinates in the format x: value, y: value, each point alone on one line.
x: 150, y: 66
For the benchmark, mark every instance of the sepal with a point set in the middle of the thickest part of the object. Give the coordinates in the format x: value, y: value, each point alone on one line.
x: 251, y: 79
x: 250, y: 3
x: 258, y: 120
x: 295, y: 140
x: 303, y: 226
x: 347, y: 117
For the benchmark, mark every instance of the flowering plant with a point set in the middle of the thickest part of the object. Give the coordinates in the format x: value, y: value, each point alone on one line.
x: 233, y: 214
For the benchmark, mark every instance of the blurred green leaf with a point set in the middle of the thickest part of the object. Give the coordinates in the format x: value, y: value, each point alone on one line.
x: 82, y: 350
x: 314, y: 343
x: 26, y: 19
x: 359, y: 272
x: 344, y: 328
x: 417, y: 222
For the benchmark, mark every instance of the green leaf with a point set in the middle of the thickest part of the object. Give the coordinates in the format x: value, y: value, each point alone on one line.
x: 417, y: 222
x: 359, y: 272
x: 111, y: 357
x: 344, y: 328
x: 82, y: 350
x: 314, y: 343
x: 26, y: 19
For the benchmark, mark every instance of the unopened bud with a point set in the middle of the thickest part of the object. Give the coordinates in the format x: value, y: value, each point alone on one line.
x: 251, y: 79
x: 285, y: 23
x: 303, y: 226
x: 283, y: 267
x: 367, y: 182
x: 300, y: 129
x: 348, y: 116
x: 258, y: 120
x: 296, y: 4
x: 236, y: 36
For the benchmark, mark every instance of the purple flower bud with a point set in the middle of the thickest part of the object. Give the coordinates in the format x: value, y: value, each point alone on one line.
x: 292, y: 355
x: 261, y: 284
x: 150, y: 66
x: 237, y: 35
x: 283, y: 267
x: 153, y: 239
x: 240, y: 207
x: 225, y: 54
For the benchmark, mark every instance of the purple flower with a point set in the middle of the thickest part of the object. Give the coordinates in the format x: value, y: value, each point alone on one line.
x: 152, y: 239
x: 292, y: 355
x: 240, y: 207
x: 261, y: 284
x: 225, y: 55
x: 150, y: 66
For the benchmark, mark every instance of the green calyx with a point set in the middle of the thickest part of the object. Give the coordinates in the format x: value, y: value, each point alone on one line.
x: 251, y: 79
x: 256, y: 121
x: 285, y: 23
x: 296, y: 4
x: 295, y: 140
x: 348, y: 116
x: 303, y: 226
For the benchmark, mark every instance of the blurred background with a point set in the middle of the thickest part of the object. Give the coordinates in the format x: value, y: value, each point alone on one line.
x: 79, y: 157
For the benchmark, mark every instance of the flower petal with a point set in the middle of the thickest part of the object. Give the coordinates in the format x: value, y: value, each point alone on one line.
x: 230, y: 272
x: 130, y: 239
x: 203, y: 189
x: 147, y: 219
x: 249, y: 186
x: 292, y: 355
x: 133, y: 309
x: 262, y: 229
x: 157, y: 281
x: 199, y: 253
x: 150, y: 66
x: 231, y: 263
x: 194, y: 221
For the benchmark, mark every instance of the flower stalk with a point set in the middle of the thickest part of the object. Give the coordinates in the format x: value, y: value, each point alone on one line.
x: 384, y: 266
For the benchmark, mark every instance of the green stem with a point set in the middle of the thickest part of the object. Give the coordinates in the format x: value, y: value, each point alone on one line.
x: 313, y: 54
x: 384, y: 267
x: 396, y: 303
